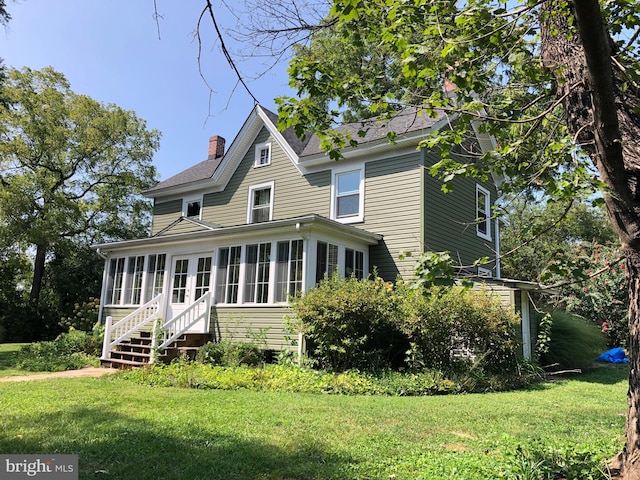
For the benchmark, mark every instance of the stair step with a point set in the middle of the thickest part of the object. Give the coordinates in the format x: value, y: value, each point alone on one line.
x: 133, y: 356
x: 120, y: 363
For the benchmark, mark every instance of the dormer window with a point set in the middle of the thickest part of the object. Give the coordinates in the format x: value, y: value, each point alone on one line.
x: 260, y: 205
x: 263, y: 154
x: 192, y: 207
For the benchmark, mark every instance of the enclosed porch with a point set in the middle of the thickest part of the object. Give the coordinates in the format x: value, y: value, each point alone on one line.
x: 197, y: 282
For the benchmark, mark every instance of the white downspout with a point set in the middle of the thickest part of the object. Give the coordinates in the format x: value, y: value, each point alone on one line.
x: 498, y: 254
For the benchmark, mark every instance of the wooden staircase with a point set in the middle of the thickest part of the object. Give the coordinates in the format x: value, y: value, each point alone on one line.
x: 136, y: 351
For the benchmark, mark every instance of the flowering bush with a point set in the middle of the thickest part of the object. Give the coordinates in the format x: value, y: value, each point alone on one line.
x: 602, y: 296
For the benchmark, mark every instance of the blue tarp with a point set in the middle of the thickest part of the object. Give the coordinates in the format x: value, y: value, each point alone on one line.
x: 615, y: 355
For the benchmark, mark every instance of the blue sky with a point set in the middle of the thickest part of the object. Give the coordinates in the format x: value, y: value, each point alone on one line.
x: 110, y: 50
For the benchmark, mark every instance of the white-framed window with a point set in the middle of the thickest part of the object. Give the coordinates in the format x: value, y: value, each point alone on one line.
x: 353, y: 263
x: 289, y: 269
x: 192, y: 207
x: 347, y: 195
x: 260, y: 203
x: 483, y: 212
x: 155, y: 276
x: 263, y: 154
x: 326, y: 260
x: 136, y: 279
x: 228, y: 278
x: 256, y: 275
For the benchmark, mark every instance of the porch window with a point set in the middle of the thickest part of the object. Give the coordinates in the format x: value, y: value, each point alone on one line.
x: 258, y: 262
x: 327, y: 260
x: 353, y: 263
x: 203, y: 276
x: 155, y: 276
x: 133, y: 290
x: 260, y: 203
x: 114, y: 285
x: 289, y: 263
x: 483, y: 212
x: 180, y: 275
x: 228, y: 281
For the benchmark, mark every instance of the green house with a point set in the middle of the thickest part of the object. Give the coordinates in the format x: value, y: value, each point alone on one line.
x: 270, y: 215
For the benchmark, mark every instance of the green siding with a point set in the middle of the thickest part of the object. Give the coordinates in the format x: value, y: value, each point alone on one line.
x: 230, y: 207
x: 165, y: 213
x: 263, y: 324
x: 392, y: 208
x: 450, y: 218
x: 116, y: 313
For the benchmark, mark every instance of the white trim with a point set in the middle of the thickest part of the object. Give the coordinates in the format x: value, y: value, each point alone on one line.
x: 185, y: 204
x: 526, y: 324
x: 260, y: 186
x: 480, y: 190
x: 258, y: 154
x: 335, y: 173
x: 485, y: 272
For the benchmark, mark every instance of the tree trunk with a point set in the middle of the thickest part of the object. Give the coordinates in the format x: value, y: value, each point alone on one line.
x: 600, y: 113
x: 38, y: 274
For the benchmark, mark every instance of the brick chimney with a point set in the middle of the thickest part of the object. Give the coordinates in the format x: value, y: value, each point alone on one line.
x: 216, y: 147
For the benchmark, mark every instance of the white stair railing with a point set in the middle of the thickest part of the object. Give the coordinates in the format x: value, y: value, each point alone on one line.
x: 131, y: 324
x: 181, y: 323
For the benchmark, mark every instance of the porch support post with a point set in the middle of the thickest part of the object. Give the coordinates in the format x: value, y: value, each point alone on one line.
x: 107, y: 337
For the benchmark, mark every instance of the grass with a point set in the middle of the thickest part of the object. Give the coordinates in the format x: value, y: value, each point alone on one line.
x: 122, y: 430
x: 7, y: 355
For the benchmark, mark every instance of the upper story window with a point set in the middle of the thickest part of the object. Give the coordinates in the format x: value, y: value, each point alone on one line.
x: 483, y: 212
x: 348, y: 196
x: 260, y: 208
x: 192, y: 207
x: 263, y: 154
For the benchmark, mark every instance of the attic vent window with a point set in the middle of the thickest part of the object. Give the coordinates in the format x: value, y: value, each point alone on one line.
x: 263, y: 154
x: 192, y: 208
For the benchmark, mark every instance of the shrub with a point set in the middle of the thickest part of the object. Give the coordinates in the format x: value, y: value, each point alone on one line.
x: 230, y: 354
x: 348, y: 324
x: 69, y: 351
x: 84, y: 317
x: 452, y: 327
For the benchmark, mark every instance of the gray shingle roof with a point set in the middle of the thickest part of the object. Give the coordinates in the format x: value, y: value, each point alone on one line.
x: 408, y: 121
x: 199, y: 171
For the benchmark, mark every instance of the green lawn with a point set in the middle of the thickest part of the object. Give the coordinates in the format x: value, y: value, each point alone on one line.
x: 122, y: 430
x: 7, y: 352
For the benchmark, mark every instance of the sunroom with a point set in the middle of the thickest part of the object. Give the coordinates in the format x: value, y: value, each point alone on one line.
x: 225, y: 282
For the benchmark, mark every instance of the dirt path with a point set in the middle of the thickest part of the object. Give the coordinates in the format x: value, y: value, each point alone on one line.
x: 83, y: 372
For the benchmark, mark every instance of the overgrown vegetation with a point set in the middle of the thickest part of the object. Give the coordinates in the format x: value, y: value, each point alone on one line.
x: 69, y: 351
x: 574, y: 342
x: 231, y: 354
x: 372, y: 325
x: 289, y: 378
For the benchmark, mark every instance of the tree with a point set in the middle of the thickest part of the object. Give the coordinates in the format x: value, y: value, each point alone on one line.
x: 557, y: 83
x: 70, y: 167
x: 548, y: 229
